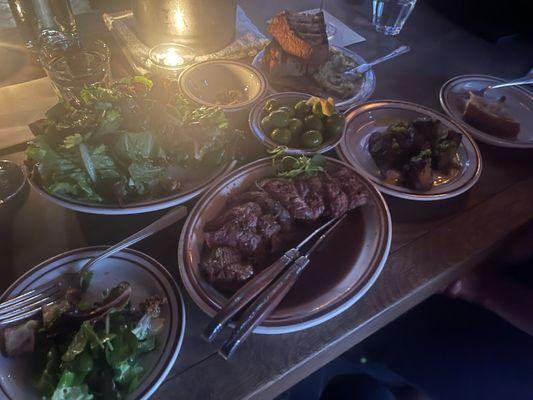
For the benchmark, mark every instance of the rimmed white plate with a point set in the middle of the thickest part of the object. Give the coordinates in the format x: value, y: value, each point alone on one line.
x: 368, y: 83
x: 189, y: 191
x: 337, y: 277
x: 147, y: 278
x: 363, y: 120
x: 519, y: 103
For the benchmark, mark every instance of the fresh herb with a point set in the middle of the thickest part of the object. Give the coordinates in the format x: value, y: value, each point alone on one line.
x: 292, y: 166
x: 123, y: 143
x: 101, y: 358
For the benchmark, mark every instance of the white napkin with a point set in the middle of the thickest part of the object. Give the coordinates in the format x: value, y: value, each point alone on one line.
x: 20, y: 105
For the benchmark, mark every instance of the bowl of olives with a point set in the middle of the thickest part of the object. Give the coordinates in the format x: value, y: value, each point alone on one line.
x: 302, y: 123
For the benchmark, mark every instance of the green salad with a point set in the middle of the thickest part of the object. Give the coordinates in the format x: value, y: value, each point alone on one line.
x: 82, y: 352
x: 134, y: 140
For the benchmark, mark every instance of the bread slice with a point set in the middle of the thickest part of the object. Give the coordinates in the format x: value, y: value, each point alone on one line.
x: 301, y: 35
x: 490, y: 116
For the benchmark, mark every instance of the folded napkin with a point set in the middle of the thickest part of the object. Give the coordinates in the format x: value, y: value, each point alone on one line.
x: 248, y: 40
x: 20, y: 105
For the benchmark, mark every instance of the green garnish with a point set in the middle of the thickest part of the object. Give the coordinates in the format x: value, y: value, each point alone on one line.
x: 292, y: 166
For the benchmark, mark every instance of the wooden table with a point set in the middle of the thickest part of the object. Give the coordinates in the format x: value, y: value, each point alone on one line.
x: 432, y: 243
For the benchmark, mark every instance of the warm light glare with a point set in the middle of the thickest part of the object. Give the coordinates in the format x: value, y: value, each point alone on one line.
x: 179, y: 20
x: 171, y: 58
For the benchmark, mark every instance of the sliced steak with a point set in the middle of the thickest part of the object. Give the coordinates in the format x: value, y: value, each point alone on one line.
x: 335, y: 199
x: 239, y: 232
x: 225, y: 264
x: 268, y: 206
x: 311, y: 190
x: 350, y: 184
x: 285, y: 192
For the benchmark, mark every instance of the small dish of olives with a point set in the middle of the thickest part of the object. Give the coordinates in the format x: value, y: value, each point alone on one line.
x: 302, y: 123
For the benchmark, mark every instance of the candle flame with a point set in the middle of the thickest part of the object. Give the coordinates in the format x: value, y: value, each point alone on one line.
x: 171, y: 58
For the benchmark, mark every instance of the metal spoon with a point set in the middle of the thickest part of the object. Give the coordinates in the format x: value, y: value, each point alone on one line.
x: 365, y: 67
x: 525, y: 80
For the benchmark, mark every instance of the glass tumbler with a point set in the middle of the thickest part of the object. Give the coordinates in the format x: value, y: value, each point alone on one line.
x: 389, y: 16
x: 73, y: 66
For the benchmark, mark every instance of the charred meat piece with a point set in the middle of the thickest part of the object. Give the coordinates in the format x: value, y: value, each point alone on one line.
x: 431, y: 129
x: 268, y: 206
x: 301, y: 35
x: 226, y: 264
x: 285, y: 192
x: 238, y: 229
x: 418, y: 173
x: 490, y: 116
x: 445, y: 151
x: 351, y: 185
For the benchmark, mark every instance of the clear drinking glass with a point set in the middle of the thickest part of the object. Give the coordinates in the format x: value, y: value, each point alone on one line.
x: 40, y: 18
x: 74, y: 66
x: 389, y: 16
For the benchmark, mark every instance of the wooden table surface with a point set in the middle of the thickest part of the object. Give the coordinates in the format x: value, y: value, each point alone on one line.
x: 432, y: 242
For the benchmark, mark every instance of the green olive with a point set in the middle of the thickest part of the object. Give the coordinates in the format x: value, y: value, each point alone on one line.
x: 271, y: 105
x: 296, y: 126
x: 289, y: 110
x: 279, y: 118
x: 312, y: 138
x: 312, y: 122
x: 281, y: 136
x: 266, y: 124
x: 334, y: 125
x: 302, y: 108
x: 317, y: 110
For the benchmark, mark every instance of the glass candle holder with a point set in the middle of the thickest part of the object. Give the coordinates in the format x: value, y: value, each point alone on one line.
x: 169, y: 59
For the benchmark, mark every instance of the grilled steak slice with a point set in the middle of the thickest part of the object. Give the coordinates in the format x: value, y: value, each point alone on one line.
x: 301, y: 35
x: 226, y: 264
x: 350, y: 185
x: 239, y: 232
x: 285, y: 192
x: 311, y: 190
x: 268, y: 206
x: 335, y: 199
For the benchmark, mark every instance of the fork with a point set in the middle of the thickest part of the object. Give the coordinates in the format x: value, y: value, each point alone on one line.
x: 30, y: 303
x: 360, y: 69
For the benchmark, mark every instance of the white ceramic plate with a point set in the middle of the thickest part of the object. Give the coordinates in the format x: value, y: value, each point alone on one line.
x: 188, y: 192
x: 519, y: 103
x: 368, y: 83
x: 363, y: 120
x: 147, y: 278
x: 325, y: 289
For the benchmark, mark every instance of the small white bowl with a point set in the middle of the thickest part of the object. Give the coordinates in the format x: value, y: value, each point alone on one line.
x: 203, y: 81
x: 287, y: 98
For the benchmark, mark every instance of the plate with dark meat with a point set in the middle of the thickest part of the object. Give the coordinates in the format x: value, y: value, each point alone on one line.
x: 246, y: 221
x: 502, y: 117
x: 410, y: 151
x: 300, y: 59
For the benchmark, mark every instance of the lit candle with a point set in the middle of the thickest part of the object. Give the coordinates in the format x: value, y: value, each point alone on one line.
x: 171, y: 56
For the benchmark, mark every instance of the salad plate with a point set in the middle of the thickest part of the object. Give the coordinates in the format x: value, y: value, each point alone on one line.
x: 325, y: 289
x: 367, y: 81
x: 134, y: 146
x: 363, y: 121
x: 146, y: 278
x: 517, y: 104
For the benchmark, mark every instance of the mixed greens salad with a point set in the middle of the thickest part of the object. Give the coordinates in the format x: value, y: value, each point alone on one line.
x: 88, y: 353
x: 134, y: 140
